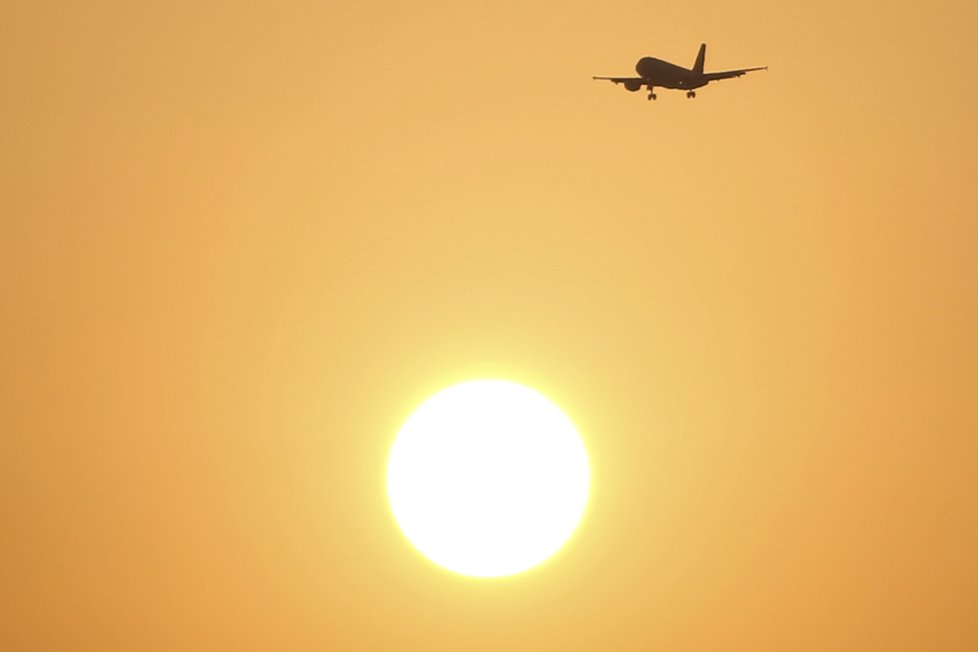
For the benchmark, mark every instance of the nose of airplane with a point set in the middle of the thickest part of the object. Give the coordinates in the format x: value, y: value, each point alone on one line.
x: 642, y: 65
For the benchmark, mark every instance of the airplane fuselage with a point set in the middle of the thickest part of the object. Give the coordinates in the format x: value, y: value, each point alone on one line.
x: 663, y: 74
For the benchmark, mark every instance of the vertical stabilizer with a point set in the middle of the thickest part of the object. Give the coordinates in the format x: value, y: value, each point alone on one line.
x: 700, y: 60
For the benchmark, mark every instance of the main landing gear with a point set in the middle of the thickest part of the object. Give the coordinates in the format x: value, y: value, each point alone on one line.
x: 652, y: 94
x: 690, y: 94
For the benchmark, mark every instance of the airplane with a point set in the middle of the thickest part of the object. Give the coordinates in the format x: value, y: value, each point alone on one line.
x: 656, y: 72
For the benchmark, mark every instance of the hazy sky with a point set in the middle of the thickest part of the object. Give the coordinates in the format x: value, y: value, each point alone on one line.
x: 241, y: 241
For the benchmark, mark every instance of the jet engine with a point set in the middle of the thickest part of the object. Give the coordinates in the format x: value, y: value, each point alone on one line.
x: 633, y: 85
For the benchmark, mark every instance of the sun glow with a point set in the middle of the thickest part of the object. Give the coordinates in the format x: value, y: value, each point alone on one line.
x: 488, y: 478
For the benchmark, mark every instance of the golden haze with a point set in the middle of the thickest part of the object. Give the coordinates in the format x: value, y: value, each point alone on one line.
x: 241, y: 241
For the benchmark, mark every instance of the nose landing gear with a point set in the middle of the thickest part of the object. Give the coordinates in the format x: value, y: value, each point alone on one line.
x: 690, y: 94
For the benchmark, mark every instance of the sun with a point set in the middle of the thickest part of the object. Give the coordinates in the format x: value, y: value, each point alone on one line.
x: 488, y: 478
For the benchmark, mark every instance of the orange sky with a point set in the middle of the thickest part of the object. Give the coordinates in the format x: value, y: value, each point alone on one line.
x: 242, y: 240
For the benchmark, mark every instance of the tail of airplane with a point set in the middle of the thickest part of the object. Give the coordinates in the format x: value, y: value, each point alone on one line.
x: 700, y: 60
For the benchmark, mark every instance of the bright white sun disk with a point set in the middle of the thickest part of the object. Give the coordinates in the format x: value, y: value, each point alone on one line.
x: 488, y: 478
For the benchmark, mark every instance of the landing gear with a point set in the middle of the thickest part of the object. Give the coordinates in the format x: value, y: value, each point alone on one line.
x: 690, y: 94
x: 652, y: 94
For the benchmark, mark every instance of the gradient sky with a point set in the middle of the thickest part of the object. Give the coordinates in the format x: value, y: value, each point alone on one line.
x: 241, y: 241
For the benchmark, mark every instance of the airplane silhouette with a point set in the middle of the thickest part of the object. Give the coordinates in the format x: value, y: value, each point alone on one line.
x: 656, y: 72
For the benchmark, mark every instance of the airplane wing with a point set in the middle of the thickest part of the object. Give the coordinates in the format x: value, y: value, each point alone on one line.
x: 729, y: 74
x: 631, y: 83
x: 621, y: 80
